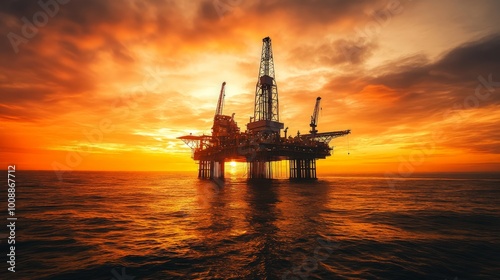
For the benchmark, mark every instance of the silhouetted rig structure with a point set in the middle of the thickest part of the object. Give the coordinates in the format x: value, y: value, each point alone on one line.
x: 261, y: 144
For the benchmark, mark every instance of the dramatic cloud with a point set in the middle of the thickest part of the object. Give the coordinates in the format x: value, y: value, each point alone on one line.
x: 118, y: 81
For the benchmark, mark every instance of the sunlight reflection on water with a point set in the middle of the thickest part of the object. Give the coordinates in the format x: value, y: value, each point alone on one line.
x: 171, y: 225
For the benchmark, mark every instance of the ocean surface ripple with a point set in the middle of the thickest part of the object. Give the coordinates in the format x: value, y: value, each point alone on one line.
x: 153, y: 225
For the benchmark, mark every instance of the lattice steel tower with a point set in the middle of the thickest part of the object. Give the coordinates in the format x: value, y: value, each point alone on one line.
x: 266, y: 111
x: 266, y: 92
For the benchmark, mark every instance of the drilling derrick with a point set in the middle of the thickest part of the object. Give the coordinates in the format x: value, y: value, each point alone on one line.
x: 266, y: 110
x: 261, y: 145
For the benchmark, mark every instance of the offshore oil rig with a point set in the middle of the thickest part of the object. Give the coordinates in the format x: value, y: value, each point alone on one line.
x: 261, y: 144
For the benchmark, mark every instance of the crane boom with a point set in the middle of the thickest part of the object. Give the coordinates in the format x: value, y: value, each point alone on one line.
x: 220, y: 103
x: 315, y: 117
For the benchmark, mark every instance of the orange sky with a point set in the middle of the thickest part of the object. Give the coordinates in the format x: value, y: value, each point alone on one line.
x: 109, y: 85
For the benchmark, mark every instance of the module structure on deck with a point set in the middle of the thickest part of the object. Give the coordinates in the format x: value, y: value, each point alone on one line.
x: 261, y: 144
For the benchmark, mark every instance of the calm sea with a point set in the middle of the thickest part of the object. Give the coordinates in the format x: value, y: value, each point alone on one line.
x: 146, y: 225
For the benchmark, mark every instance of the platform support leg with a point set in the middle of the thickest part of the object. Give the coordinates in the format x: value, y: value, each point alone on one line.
x: 260, y: 170
x: 303, y: 169
x: 205, y: 169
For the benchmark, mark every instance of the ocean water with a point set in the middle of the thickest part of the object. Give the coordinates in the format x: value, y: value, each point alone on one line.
x: 153, y: 225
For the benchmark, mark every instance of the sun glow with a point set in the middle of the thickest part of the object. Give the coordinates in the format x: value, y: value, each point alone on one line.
x: 124, y: 92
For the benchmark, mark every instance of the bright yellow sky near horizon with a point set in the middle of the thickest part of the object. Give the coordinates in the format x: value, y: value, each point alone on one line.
x: 108, y: 85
